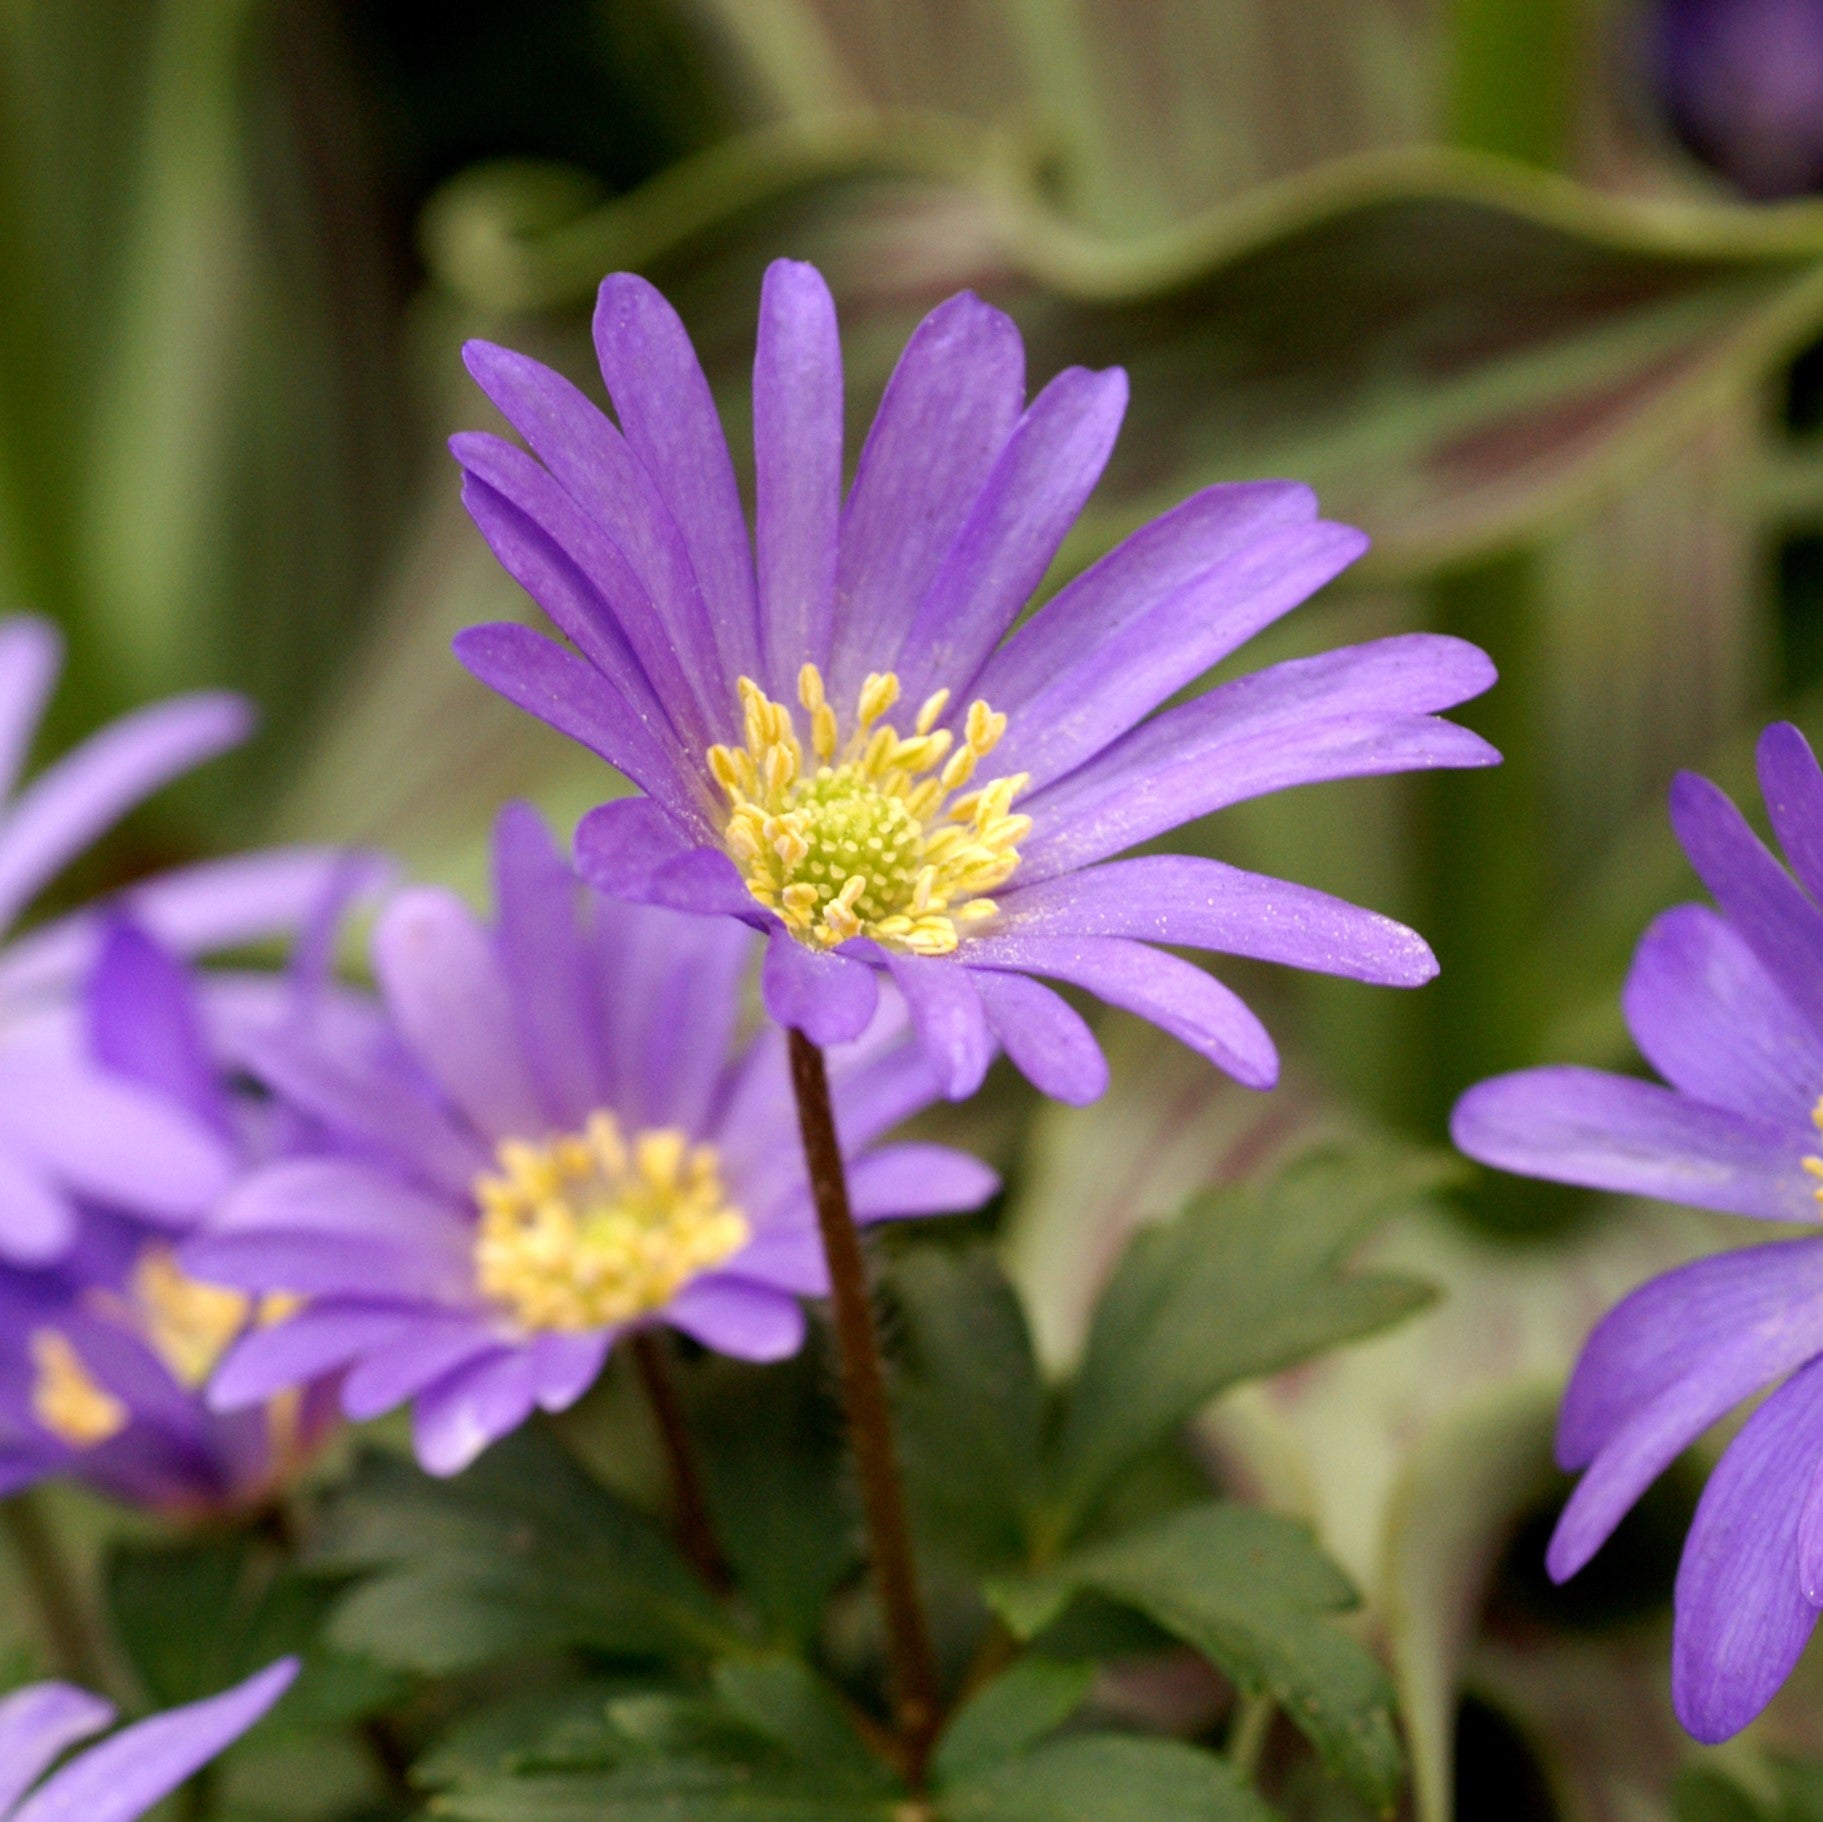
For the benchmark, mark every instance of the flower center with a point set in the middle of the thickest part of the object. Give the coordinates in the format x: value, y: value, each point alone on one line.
x: 879, y: 837
x: 188, y: 1325
x: 66, y: 1397
x: 589, y: 1230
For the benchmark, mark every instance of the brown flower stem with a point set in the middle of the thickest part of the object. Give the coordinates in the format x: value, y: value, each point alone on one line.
x: 911, y: 1662
x: 689, y: 1503
x: 64, y: 1621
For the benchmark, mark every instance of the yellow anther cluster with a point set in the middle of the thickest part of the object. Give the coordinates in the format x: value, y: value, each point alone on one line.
x: 188, y: 1325
x: 66, y: 1397
x: 589, y: 1230
x: 879, y: 834
x: 1814, y: 1164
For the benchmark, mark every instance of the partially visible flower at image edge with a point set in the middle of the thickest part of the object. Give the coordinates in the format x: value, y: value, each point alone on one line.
x: 838, y: 743
x: 1726, y: 1005
x: 124, y: 1777
x: 106, y: 1351
x: 48, y: 1123
x: 554, y: 1135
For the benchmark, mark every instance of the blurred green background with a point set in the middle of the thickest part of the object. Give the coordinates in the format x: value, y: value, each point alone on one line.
x: 1529, y: 289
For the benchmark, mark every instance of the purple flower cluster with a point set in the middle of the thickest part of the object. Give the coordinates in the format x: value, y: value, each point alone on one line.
x: 1727, y: 1005
x: 121, y: 1779
x: 841, y: 737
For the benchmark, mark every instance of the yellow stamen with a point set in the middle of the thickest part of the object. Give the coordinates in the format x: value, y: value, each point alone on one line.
x: 1815, y: 1164
x: 67, y: 1399
x: 869, y: 838
x: 188, y: 1325
x: 591, y: 1229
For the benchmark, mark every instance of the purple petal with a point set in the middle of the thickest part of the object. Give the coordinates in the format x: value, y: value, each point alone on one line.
x: 565, y: 693
x: 90, y: 789
x: 347, y: 1228
x: 1350, y: 713
x: 362, y: 1097
x: 1099, y: 691
x: 646, y: 576
x: 632, y: 849
x: 670, y: 1001
x: 1742, y: 1619
x: 1655, y: 1434
x: 37, y: 1220
x: 1709, y: 1018
x: 828, y: 997
x: 145, y: 1024
x: 223, y: 904
x: 547, y: 572
x: 38, y: 1725
x: 1793, y: 788
x: 797, y: 457
x: 1810, y: 1538
x: 1038, y: 488
x: 743, y: 1321
x: 565, y: 1366
x: 475, y: 1406
x: 119, y: 1780
x: 948, y: 1016
x: 108, y: 1138
x: 322, y: 1338
x: 548, y: 970
x: 947, y: 412
x: 1653, y: 1337
x: 1047, y: 1039
x: 1584, y: 1126
x: 441, y: 978
x: 1189, y: 545
x: 432, y: 1349
x: 1164, y: 989
x: 1758, y: 897
x: 31, y: 654
x: 897, y: 1182
x: 1204, y: 904
x: 667, y: 414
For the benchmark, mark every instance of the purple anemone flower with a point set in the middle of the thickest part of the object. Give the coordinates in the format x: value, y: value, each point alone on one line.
x: 68, y: 1128
x: 836, y: 738
x: 104, y: 1352
x: 119, y: 1780
x: 1727, y: 1006
x: 552, y: 1136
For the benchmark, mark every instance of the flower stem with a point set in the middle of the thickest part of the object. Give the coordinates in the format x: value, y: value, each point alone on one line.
x: 689, y: 1503
x: 64, y: 1621
x: 911, y: 1662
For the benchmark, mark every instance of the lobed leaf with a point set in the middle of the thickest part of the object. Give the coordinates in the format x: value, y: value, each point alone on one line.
x: 1252, y: 1592
x: 522, y: 1552
x: 1244, y: 1282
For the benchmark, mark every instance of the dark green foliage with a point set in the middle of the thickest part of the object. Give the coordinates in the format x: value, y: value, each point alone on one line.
x: 521, y: 1553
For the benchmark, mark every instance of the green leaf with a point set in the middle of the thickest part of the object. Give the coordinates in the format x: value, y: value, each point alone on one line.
x: 1010, y: 1716
x: 1105, y: 1778
x: 1454, y: 351
x: 970, y: 1406
x: 662, y: 1758
x: 260, y: 1607
x: 522, y: 1552
x: 788, y: 1703
x: 1254, y: 1594
x: 1244, y: 1282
